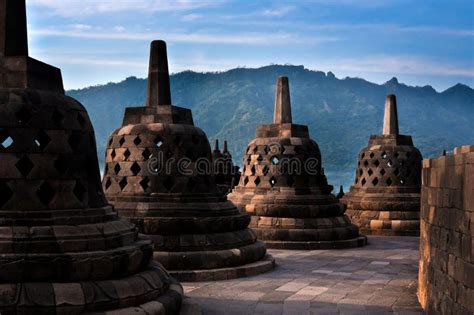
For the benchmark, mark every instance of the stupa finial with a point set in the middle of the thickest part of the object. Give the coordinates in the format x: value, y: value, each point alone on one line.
x: 282, y: 102
x: 158, y: 89
x: 225, y: 147
x: 390, y: 121
x: 216, y: 145
x: 13, y: 32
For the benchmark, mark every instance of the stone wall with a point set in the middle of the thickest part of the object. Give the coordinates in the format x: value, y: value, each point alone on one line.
x: 446, y: 276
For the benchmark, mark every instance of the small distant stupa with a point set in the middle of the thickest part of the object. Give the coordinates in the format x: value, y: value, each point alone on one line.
x: 226, y: 173
x: 385, y: 197
x: 284, y: 188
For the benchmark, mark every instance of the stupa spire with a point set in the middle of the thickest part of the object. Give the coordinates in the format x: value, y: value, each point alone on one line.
x: 13, y: 33
x: 158, y: 88
x: 282, y: 102
x: 225, y: 147
x: 390, y: 121
x: 216, y: 145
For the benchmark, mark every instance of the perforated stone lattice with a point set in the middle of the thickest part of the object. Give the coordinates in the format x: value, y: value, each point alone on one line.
x: 388, y: 168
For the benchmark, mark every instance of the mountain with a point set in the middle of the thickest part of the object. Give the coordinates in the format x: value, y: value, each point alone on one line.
x: 341, y: 113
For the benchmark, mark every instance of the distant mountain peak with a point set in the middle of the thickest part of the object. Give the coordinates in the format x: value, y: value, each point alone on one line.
x: 393, y: 80
x: 459, y: 88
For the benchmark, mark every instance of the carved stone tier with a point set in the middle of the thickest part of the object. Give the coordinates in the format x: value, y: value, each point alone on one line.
x: 62, y: 247
x: 385, y: 197
x: 158, y: 174
x: 284, y: 189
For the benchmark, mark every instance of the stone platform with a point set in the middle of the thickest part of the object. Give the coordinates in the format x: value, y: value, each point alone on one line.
x: 380, y: 278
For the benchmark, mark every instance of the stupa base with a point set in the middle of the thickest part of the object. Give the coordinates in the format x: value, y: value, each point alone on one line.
x: 152, y: 291
x: 315, y: 245
x: 264, y: 265
x: 386, y: 223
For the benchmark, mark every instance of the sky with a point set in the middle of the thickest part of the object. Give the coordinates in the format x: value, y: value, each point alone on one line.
x: 421, y: 42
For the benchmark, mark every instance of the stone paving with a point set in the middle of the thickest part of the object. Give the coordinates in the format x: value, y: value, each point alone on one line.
x: 380, y: 278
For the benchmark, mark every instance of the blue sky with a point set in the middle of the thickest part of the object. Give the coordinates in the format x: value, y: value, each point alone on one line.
x: 421, y: 42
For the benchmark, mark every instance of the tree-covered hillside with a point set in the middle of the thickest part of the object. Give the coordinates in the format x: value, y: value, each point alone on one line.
x: 341, y: 113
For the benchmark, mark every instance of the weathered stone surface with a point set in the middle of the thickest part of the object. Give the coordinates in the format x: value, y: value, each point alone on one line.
x: 63, y: 249
x: 159, y: 175
x: 284, y: 188
x: 385, y: 197
x: 446, y: 276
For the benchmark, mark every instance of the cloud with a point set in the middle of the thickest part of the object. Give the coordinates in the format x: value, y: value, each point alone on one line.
x: 277, y: 12
x: 70, y: 8
x: 82, y: 27
x: 201, y: 38
x: 191, y: 17
x: 395, y: 65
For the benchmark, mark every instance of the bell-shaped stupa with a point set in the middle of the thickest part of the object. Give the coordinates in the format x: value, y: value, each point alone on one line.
x: 385, y: 197
x: 63, y: 249
x: 284, y: 188
x: 158, y: 174
x: 225, y: 172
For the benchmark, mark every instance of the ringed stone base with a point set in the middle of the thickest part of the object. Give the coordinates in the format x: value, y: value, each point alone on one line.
x: 153, y: 290
x: 264, y: 265
x: 343, y: 244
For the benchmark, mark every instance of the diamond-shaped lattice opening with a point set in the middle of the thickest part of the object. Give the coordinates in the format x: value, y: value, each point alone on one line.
x: 123, y: 183
x: 384, y: 155
x: 376, y: 163
x: 113, y: 154
x: 81, y: 120
x: 275, y: 160
x: 108, y: 183
x: 382, y: 172
x: 168, y: 183
x: 137, y: 140
x: 135, y: 168
x: 361, y: 171
x: 191, y: 184
x: 45, y: 193
x: 267, y: 149
x: 290, y: 181
x: 158, y: 141
x: 272, y: 181
x: 61, y: 165
x: 145, y: 183
x: 24, y: 115
x: 79, y: 191
x: 74, y: 141
x: 397, y: 154
x: 356, y: 181
x: 366, y: 163
x: 248, y: 150
x: 257, y: 181
x: 408, y: 155
x: 370, y: 172
x: 265, y: 170
x: 146, y: 154
x: 57, y: 117
x: 110, y: 141
x: 363, y: 181
x: 5, y: 193
x: 126, y: 154
x: 195, y: 139
x: 117, y: 168
x: 122, y: 141
x: 389, y: 163
x: 246, y: 181
x: 24, y: 165
x: 362, y: 155
x: 375, y: 181
x: 372, y: 155
x: 389, y: 182
x: 42, y: 140
x: 252, y: 170
x: 396, y: 172
x: 5, y: 140
x: 402, y: 181
x: 255, y: 149
x: 259, y: 158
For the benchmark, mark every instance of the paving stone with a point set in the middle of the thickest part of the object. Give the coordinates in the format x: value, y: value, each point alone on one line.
x: 294, y: 287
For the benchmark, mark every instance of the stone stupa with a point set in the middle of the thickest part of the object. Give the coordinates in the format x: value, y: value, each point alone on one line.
x: 158, y: 174
x: 225, y: 172
x: 385, y: 197
x: 63, y: 249
x: 284, y: 188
